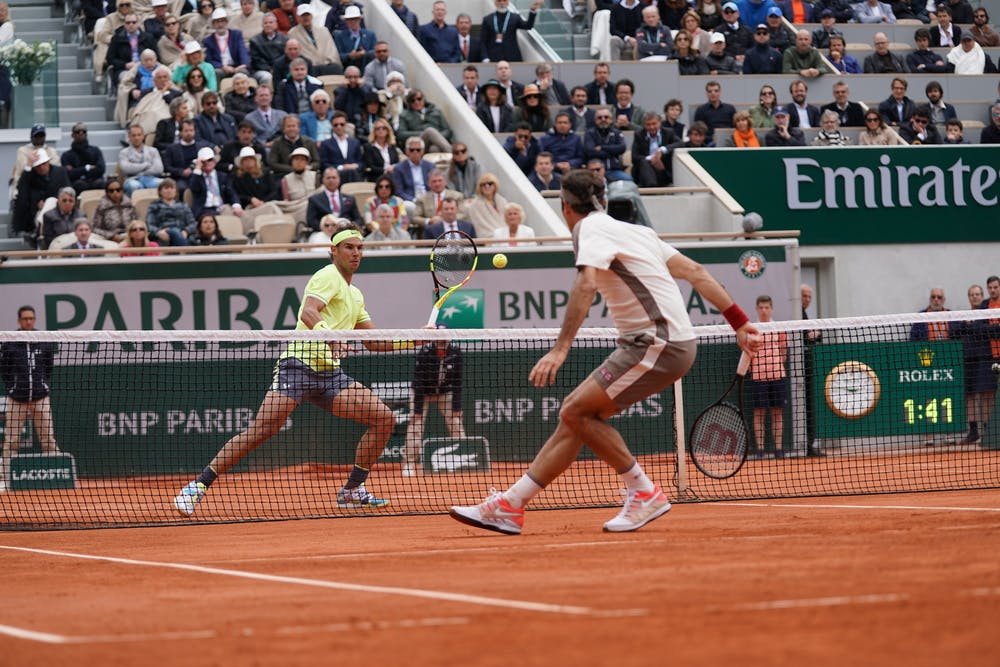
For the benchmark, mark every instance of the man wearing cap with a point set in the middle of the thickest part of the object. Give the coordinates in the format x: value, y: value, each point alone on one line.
x: 316, y: 43
x: 83, y: 162
x: 310, y: 371
x: 195, y: 57
x: 224, y: 48
x: 249, y: 20
x: 355, y: 44
x: 265, y: 48
x: 26, y: 155
x: 738, y: 36
x: 127, y: 46
x: 821, y: 36
x: 753, y: 12
x: 439, y: 39
x: 968, y: 57
x: 140, y: 164
x: 376, y: 72
x: 781, y: 37
x: 331, y: 200
x: 61, y: 219
x: 762, y: 58
x: 498, y: 33
x: 265, y: 119
x: 782, y: 134
x: 212, y: 191
x: 316, y: 123
x: 179, y: 157
x: 803, y: 59
x: 719, y: 62
x: 279, y: 155
x: 841, y: 9
x: 155, y: 24
x: 335, y: 17
x: 40, y: 182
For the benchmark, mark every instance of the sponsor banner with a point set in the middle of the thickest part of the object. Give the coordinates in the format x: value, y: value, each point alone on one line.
x: 233, y: 293
x: 883, y: 389
x: 867, y: 195
x: 30, y: 472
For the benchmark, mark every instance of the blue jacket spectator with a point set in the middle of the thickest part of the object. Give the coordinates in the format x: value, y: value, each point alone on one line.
x: 762, y: 59
x: 524, y: 149
x: 752, y: 13
x: 563, y: 143
x: 440, y: 40
x: 237, y: 50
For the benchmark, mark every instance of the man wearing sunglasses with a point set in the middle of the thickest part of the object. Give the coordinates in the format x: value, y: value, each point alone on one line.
x: 919, y: 130
x: 83, y: 162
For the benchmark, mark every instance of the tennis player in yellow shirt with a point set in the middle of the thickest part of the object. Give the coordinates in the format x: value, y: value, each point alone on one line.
x: 309, y: 371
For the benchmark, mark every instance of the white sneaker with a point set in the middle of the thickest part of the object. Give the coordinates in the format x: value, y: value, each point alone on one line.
x: 187, y: 500
x: 494, y: 513
x: 640, y: 508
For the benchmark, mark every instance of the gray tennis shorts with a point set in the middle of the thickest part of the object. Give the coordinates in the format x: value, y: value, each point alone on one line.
x: 300, y: 382
x: 643, y: 365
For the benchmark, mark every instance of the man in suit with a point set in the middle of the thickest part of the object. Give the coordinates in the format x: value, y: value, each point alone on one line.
x: 179, y: 157
x: 512, y: 90
x: 469, y: 47
x: 410, y: 176
x: 355, y: 44
x: 225, y: 48
x: 341, y: 151
x: 82, y: 230
x: 945, y: 33
x: 601, y: 90
x: 898, y: 107
x: 498, y: 33
x: 851, y: 113
x: 213, y: 126
x: 316, y: 43
x: 428, y: 205
x: 281, y: 67
x: 265, y: 119
x: 126, y: 46
x: 439, y: 39
x: 211, y: 190
x: 802, y: 114
x: 294, y: 92
x: 447, y: 221
x: 651, y: 153
x: 266, y: 48
x: 377, y: 70
x: 469, y: 90
x: 331, y: 200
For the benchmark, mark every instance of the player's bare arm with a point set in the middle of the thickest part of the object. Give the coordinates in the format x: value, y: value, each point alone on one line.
x: 580, y: 300
x: 685, y: 268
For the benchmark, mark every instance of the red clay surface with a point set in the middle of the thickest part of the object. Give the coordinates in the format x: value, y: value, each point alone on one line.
x: 888, y: 580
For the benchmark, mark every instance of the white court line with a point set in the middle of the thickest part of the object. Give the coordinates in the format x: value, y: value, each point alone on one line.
x: 844, y: 600
x: 49, y: 638
x: 930, y: 508
x: 523, y: 605
x: 507, y: 547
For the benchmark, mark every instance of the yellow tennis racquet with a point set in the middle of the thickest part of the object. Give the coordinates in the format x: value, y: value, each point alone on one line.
x: 453, y: 261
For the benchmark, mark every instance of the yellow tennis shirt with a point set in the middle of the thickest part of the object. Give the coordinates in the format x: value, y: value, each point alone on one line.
x: 344, y: 309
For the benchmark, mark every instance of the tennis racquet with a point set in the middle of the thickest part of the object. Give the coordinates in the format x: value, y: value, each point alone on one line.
x: 453, y: 261
x: 719, y: 437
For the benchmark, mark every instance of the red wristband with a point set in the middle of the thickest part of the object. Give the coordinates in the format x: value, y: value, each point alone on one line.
x: 735, y: 316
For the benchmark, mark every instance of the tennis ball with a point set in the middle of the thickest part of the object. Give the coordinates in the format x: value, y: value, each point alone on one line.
x: 499, y: 260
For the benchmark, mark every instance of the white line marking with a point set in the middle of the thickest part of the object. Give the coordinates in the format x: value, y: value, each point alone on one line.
x: 524, y: 605
x: 507, y: 547
x: 865, y: 507
x: 21, y: 633
x: 834, y: 601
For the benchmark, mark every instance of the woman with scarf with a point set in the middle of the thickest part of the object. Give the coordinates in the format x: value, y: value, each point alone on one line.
x: 831, y: 135
x: 743, y: 135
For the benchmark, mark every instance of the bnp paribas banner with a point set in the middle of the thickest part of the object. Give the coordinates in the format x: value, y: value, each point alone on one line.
x: 866, y: 195
x: 253, y: 291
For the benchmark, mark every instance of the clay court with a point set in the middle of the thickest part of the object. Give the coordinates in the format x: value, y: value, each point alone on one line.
x: 905, y: 579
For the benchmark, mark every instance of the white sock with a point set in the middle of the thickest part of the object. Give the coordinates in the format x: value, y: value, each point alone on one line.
x: 636, y: 480
x: 522, y: 491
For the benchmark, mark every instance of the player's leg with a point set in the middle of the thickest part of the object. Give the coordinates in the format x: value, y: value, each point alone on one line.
x: 271, y: 416
x: 777, y: 430
x: 41, y: 418
x: 359, y: 403
x: 760, y: 429
x: 14, y: 417
x: 451, y: 410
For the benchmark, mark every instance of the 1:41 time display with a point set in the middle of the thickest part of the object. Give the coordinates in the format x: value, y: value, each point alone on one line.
x: 934, y: 411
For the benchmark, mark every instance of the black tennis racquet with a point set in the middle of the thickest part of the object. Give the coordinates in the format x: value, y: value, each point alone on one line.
x: 453, y: 261
x: 718, y: 441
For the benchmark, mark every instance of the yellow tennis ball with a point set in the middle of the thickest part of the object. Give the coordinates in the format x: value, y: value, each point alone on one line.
x: 499, y: 260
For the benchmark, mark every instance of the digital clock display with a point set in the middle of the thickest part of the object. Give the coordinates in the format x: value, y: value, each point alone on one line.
x: 933, y: 411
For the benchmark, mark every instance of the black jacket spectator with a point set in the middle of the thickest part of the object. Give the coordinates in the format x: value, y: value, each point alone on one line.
x: 120, y: 52
x: 507, y: 25
x: 738, y: 40
x: 218, y: 130
x: 264, y: 52
x: 852, y: 116
x: 625, y: 21
x: 605, y: 145
x: 33, y: 188
x: 84, y: 165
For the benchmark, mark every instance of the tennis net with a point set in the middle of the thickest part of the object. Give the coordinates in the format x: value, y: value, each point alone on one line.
x: 862, y: 405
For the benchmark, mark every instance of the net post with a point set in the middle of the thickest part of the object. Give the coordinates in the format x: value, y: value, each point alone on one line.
x: 681, y: 438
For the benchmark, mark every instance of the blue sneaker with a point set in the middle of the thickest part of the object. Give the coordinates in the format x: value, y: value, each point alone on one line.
x: 189, y: 497
x: 359, y: 497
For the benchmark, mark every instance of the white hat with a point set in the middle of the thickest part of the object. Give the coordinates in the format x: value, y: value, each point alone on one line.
x: 304, y: 152
x: 41, y: 157
x: 246, y: 151
x: 192, y: 47
x: 395, y: 76
x: 352, y: 12
x: 305, y: 8
x: 206, y: 153
x: 220, y: 13
x: 717, y: 37
x: 159, y: 3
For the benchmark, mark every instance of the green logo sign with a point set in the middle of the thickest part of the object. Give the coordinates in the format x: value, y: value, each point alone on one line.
x: 464, y: 310
x: 456, y: 454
